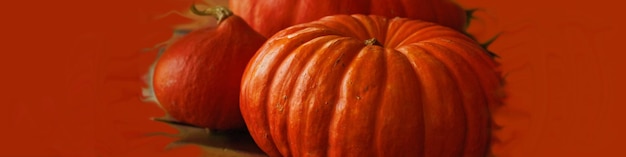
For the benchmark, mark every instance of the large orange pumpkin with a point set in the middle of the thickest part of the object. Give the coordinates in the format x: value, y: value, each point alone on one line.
x: 197, y: 79
x: 268, y: 17
x: 370, y: 86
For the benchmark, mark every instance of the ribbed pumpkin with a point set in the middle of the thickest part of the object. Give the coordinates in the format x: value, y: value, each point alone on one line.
x: 366, y: 85
x: 268, y: 17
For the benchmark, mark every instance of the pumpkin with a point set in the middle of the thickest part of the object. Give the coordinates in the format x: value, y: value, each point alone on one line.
x: 197, y: 79
x: 268, y: 17
x: 367, y: 85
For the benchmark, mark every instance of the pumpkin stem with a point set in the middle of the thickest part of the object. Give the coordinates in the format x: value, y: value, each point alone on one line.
x: 373, y: 41
x: 219, y: 12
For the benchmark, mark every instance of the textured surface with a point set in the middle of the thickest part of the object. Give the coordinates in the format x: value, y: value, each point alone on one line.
x: 317, y: 89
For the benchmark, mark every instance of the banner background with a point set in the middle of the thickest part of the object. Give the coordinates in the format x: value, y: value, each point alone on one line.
x: 71, y: 76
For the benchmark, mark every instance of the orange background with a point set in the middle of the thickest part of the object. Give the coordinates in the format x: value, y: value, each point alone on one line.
x: 71, y: 77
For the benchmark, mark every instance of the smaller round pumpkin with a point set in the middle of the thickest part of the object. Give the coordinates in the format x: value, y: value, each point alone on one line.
x: 197, y: 79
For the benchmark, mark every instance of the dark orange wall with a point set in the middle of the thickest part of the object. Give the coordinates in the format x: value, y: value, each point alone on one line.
x: 565, y: 73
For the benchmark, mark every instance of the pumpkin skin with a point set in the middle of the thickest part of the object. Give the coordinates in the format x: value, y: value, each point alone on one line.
x: 316, y: 89
x: 270, y: 16
x: 197, y: 79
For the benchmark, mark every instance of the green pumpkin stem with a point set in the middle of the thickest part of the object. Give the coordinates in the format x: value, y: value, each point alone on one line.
x: 219, y: 12
x: 373, y: 41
